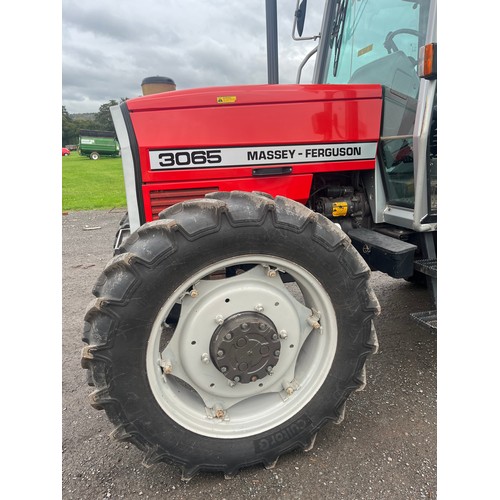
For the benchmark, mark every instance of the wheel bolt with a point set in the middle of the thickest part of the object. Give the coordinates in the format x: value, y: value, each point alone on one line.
x: 271, y: 273
x: 269, y: 369
x: 276, y: 353
x: 262, y: 326
x: 275, y: 336
x: 313, y: 322
x: 205, y: 358
x: 236, y: 379
x: 219, y: 319
x: 259, y: 307
x: 223, y: 369
x: 220, y: 353
x: 283, y: 334
x: 228, y: 336
x: 193, y: 293
x: 289, y: 390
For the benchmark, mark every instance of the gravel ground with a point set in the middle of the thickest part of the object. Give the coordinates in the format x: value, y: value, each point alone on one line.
x: 384, y: 449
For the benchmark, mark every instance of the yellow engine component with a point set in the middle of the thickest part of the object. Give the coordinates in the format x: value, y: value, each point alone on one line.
x: 339, y: 208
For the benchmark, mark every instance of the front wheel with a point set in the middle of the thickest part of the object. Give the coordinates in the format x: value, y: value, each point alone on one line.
x: 94, y: 155
x: 229, y: 332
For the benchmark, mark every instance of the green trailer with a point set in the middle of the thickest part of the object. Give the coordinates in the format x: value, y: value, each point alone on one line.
x: 97, y: 143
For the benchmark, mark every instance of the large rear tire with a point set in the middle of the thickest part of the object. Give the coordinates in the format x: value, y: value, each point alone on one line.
x: 202, y: 356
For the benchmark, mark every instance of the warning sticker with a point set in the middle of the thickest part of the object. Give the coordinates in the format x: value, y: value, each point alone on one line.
x: 226, y: 99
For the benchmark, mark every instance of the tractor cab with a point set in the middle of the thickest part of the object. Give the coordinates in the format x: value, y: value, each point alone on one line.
x: 393, y: 43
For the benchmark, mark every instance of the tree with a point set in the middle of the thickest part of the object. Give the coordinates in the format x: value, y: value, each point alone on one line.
x: 71, y: 127
x: 103, y: 118
x: 67, y: 127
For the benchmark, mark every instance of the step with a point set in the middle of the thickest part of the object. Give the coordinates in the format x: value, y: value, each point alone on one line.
x: 427, y: 266
x: 384, y: 253
x: 426, y: 319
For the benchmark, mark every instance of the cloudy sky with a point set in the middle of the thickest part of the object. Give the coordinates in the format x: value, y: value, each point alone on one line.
x: 110, y: 46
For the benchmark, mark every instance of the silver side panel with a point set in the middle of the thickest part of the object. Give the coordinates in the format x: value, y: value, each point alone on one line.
x: 420, y: 141
x: 376, y: 194
x: 399, y: 216
x: 128, y: 167
x: 421, y: 135
x: 381, y: 211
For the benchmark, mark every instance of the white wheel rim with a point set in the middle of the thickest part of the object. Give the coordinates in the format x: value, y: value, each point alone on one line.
x: 193, y: 392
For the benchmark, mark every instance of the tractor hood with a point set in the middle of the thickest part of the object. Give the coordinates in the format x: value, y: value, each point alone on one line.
x: 270, y: 138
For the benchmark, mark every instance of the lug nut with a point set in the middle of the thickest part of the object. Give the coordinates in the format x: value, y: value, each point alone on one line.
x: 223, y: 369
x: 166, y: 366
x: 193, y: 293
x: 259, y: 307
x: 275, y: 336
x: 220, y: 353
x: 236, y: 379
x: 283, y: 334
x: 289, y: 390
x: 228, y: 336
x: 219, y: 319
x: 313, y: 322
x: 269, y: 369
x: 277, y: 353
x: 271, y: 273
x: 205, y: 358
x: 262, y: 326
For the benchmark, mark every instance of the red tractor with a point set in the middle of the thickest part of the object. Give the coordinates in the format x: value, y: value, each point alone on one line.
x: 235, y: 318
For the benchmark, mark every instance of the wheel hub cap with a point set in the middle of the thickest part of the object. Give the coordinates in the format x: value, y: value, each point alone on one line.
x: 246, y: 347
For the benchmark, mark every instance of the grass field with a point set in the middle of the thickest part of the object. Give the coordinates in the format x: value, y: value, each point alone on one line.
x: 92, y: 184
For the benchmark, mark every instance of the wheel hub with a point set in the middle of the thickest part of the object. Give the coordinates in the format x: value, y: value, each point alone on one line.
x: 246, y: 347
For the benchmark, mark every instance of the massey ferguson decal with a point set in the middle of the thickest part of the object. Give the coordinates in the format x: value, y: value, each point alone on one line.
x: 263, y: 155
